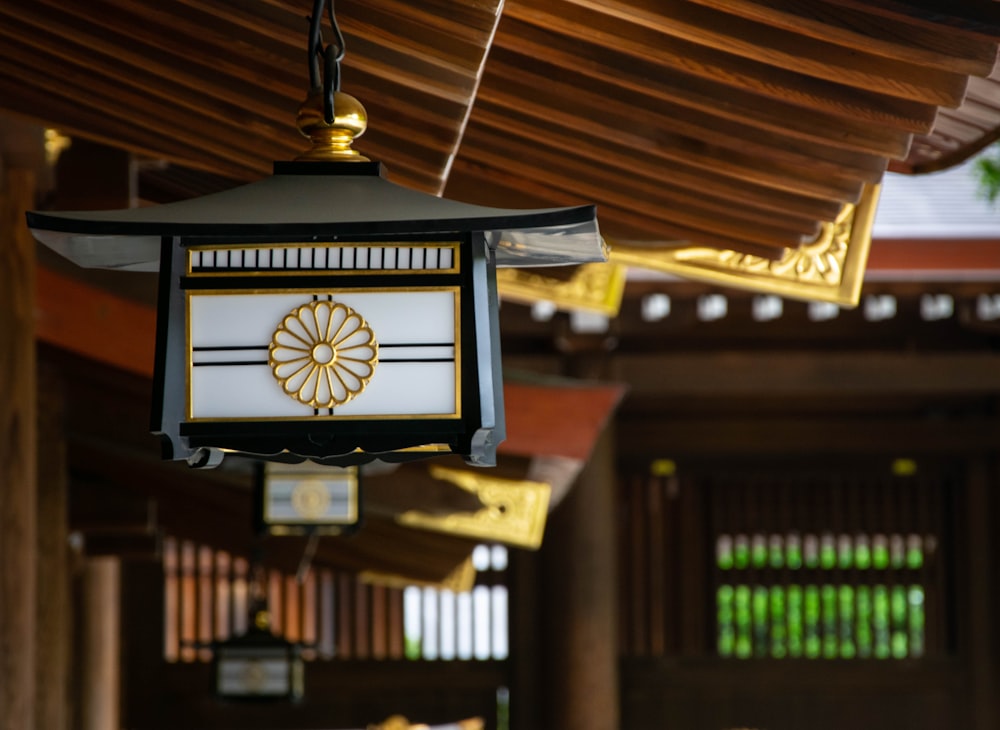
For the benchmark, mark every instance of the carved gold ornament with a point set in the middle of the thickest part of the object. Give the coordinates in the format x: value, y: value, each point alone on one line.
x: 829, y: 268
x: 513, y: 512
x: 592, y: 287
x: 461, y: 579
x: 323, y: 354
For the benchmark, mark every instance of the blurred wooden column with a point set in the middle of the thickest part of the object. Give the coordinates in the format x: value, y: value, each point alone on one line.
x: 90, y: 176
x: 54, y: 616
x: 580, y: 601
x: 17, y: 453
x: 100, y: 678
x: 977, y: 575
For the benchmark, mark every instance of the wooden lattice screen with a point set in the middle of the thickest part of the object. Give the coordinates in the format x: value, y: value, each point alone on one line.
x: 744, y: 565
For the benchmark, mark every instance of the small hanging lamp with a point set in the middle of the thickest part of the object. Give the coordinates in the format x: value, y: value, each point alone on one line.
x: 258, y: 665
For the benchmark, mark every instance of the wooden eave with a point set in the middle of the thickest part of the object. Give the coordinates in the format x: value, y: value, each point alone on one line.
x: 740, y: 125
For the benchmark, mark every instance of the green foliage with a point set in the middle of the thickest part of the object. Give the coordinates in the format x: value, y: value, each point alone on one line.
x: 988, y: 170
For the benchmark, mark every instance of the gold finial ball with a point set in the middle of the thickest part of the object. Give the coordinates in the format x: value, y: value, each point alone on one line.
x: 332, y: 141
x: 262, y: 620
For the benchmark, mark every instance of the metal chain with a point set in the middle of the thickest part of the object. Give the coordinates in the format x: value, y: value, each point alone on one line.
x: 332, y: 55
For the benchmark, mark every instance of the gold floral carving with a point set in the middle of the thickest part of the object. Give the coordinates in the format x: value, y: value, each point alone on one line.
x: 829, y: 268
x: 323, y: 354
x: 310, y: 499
x: 593, y: 287
x: 514, y: 512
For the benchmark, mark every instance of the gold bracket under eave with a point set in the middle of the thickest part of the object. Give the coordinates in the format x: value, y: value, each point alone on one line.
x: 514, y: 512
x: 830, y: 268
x: 461, y: 579
x: 592, y: 287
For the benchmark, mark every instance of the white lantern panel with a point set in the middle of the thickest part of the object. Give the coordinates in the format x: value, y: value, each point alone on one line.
x: 414, y: 389
x: 415, y: 372
x: 253, y: 676
x: 294, y: 498
x: 240, y: 391
x: 238, y: 320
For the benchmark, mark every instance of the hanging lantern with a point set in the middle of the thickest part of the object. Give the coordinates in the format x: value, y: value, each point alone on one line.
x: 326, y: 313
x: 259, y: 665
x: 307, y: 499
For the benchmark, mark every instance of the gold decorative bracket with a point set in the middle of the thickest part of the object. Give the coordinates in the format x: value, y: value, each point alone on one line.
x: 399, y: 722
x: 460, y: 580
x: 829, y: 268
x: 514, y: 511
x: 592, y: 287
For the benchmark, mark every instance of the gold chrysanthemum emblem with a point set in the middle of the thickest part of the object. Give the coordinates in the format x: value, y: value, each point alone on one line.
x: 310, y: 499
x: 323, y: 354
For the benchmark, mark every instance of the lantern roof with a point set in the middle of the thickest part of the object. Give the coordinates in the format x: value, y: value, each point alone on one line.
x: 319, y: 200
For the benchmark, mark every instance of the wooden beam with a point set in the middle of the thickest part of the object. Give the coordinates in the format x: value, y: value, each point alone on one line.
x: 89, y: 321
x: 632, y: 104
x: 797, y: 374
x: 787, y: 49
x: 865, y: 28
x: 502, y: 188
x: 18, y: 472
x: 969, y: 259
x: 563, y: 131
x: 974, y: 20
x: 712, y: 98
x: 648, y: 438
x: 686, y: 57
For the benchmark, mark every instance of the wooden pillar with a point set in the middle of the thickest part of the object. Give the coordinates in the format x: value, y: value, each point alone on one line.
x: 99, y: 645
x: 54, y: 619
x: 580, y: 600
x: 980, y: 542
x: 17, y: 453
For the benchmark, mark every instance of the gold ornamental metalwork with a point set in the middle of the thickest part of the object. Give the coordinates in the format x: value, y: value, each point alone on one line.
x: 323, y: 354
x: 331, y: 141
x: 592, y: 287
x: 829, y: 268
x: 461, y: 579
x: 514, y: 511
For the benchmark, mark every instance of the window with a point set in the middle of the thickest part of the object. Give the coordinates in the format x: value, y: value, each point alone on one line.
x: 827, y: 566
x: 787, y: 564
x: 820, y: 596
x: 334, y: 615
x: 440, y: 624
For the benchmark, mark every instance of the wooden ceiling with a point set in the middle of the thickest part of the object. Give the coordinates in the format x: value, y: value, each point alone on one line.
x: 738, y: 124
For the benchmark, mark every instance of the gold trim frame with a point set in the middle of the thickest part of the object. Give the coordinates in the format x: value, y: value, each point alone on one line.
x: 829, y: 268
x: 593, y: 287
